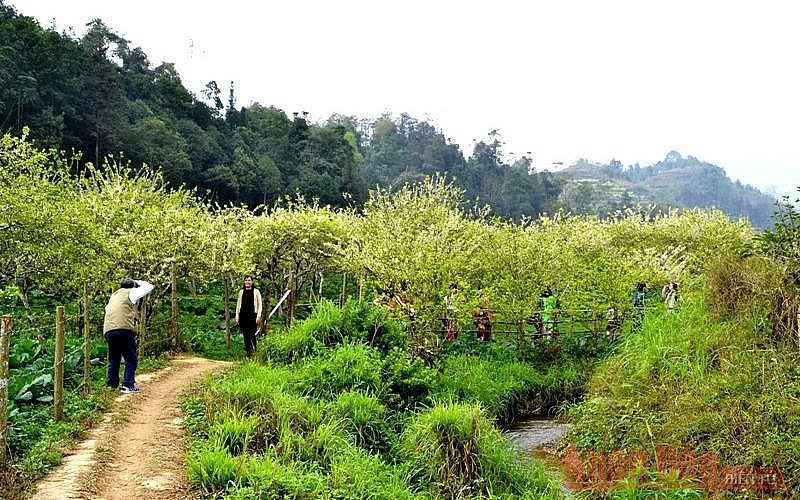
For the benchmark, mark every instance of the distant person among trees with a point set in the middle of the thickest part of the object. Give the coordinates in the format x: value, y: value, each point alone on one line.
x: 482, y: 318
x: 248, y: 314
x: 449, y: 320
x: 639, y: 303
x: 670, y: 295
x: 548, y: 303
x: 119, y: 324
x: 613, y: 322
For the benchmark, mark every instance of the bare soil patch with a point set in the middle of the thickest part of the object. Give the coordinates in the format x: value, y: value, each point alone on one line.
x: 137, y: 451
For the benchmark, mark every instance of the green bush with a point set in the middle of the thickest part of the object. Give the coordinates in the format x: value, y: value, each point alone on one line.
x: 408, y: 381
x: 371, y: 324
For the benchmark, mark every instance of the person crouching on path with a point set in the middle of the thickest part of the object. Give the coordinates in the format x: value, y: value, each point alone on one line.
x: 118, y: 330
x: 248, y: 314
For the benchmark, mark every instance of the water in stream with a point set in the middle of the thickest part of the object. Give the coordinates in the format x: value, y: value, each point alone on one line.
x: 536, y: 436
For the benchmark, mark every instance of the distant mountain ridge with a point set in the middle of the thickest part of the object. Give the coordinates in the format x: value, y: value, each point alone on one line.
x: 674, y: 182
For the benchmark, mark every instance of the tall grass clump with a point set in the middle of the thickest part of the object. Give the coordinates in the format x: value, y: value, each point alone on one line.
x: 346, y: 367
x: 251, y: 389
x: 271, y: 477
x: 356, y: 473
x: 240, y: 433
x: 456, y: 449
x: 212, y: 469
x: 366, y: 419
x: 328, y: 325
x: 753, y: 287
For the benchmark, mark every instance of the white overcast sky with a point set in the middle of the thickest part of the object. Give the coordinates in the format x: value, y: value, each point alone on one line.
x: 568, y: 79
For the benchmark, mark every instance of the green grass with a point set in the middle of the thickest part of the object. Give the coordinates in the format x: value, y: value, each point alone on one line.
x: 701, y: 385
x: 333, y: 407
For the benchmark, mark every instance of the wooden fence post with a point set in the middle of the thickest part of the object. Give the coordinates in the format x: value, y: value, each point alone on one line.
x: 227, y: 311
x: 58, y: 366
x: 176, y: 333
x: 5, y: 343
x: 87, y: 346
x: 343, y: 296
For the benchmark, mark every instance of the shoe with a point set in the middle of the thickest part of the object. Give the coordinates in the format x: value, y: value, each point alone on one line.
x: 128, y: 390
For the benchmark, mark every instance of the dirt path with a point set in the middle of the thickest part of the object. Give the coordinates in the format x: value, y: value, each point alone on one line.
x: 137, y: 451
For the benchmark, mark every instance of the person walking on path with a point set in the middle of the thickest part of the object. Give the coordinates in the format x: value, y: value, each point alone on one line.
x: 119, y: 324
x: 248, y: 314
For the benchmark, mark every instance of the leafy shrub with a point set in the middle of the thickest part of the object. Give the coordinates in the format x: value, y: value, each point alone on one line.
x: 369, y: 323
x: 408, y: 381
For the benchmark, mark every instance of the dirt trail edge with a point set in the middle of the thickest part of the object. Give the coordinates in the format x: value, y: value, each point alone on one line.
x: 137, y: 450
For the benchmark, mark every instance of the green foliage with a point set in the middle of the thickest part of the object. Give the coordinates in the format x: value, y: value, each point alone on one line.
x: 330, y: 422
x: 364, y: 417
x: 689, y: 383
x: 356, y: 473
x: 456, y: 448
x: 346, y: 367
x: 408, y: 381
x: 507, y: 388
x: 239, y: 432
x: 212, y: 469
x: 329, y: 325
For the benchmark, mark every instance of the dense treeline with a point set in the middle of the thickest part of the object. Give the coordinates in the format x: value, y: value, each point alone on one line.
x: 100, y: 96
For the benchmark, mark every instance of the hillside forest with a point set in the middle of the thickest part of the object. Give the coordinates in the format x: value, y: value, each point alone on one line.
x: 101, y: 98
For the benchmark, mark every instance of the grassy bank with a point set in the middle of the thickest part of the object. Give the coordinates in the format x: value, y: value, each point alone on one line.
x: 724, y: 390
x: 335, y: 407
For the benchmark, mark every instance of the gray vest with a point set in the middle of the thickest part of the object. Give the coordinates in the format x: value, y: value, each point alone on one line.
x: 120, y: 312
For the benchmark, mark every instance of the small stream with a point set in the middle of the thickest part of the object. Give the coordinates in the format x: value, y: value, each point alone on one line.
x: 537, y: 438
